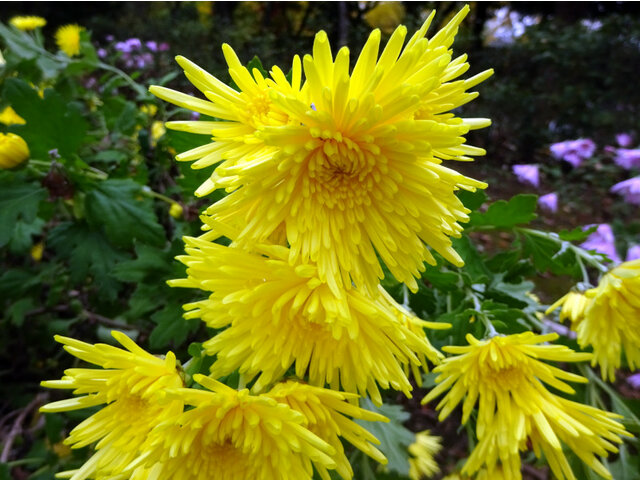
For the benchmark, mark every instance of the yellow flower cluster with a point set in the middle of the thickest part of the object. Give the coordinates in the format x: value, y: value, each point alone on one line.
x: 506, y: 378
x: 26, y: 23
x: 607, y: 318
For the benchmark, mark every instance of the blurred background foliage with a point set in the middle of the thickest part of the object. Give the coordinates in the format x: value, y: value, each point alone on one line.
x: 89, y: 228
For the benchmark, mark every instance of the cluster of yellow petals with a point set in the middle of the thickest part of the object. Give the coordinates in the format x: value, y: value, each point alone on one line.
x: 347, y: 164
x: 505, y: 376
x: 607, y: 318
x: 280, y: 315
x: 26, y: 23
x: 8, y: 116
x: 422, y: 463
x: 13, y: 150
x: 68, y: 39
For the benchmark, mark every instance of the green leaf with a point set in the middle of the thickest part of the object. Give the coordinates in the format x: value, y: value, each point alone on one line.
x: 17, y: 311
x: 21, y: 240
x: 171, y: 327
x: 394, y: 437
x: 504, y: 214
x: 18, y: 203
x: 125, y: 213
x: 472, y: 200
x: 151, y: 264
x: 89, y: 254
x: 52, y: 121
x: 578, y: 234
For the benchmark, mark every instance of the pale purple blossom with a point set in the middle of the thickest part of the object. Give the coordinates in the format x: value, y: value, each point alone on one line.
x: 629, y: 189
x: 634, y: 380
x: 602, y: 241
x: 527, y: 174
x: 624, y: 140
x: 549, y: 202
x: 109, y: 38
x: 627, y: 158
x: 163, y: 47
x: 574, y: 151
x: 633, y: 253
x: 151, y: 45
x: 195, y: 115
x: 101, y: 52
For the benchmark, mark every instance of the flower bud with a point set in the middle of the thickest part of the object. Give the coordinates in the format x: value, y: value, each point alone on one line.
x: 13, y: 150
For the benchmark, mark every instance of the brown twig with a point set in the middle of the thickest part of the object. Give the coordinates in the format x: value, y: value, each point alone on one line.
x: 16, y: 428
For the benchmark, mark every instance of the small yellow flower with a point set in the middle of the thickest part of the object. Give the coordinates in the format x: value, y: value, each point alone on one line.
x: 13, y: 150
x: 37, y: 250
x: 8, y: 116
x: 157, y: 131
x: 68, y: 39
x: 130, y: 386
x: 175, y: 210
x: 28, y: 22
x: 421, y: 462
x: 506, y: 377
x: 149, y: 109
x: 607, y: 318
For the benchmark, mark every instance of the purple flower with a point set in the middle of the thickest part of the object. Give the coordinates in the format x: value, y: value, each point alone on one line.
x: 629, y: 189
x: 151, y: 45
x: 527, y: 174
x: 633, y: 253
x: 101, y: 52
x: 163, y: 47
x: 123, y: 47
x: 549, y: 202
x: 109, y: 38
x: 574, y: 151
x: 624, y: 140
x: 628, y: 158
x: 634, y: 380
x: 602, y: 241
x: 134, y: 43
x: 195, y: 116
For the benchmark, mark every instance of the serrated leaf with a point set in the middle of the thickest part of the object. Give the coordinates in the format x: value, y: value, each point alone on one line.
x: 150, y: 263
x: 394, y: 437
x: 18, y: 202
x: 17, y: 311
x: 21, y: 239
x: 89, y: 254
x: 171, y: 328
x: 578, y: 234
x: 52, y: 121
x: 504, y: 214
x: 118, y: 206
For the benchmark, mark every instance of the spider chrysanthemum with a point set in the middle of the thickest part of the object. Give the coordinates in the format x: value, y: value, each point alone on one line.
x: 130, y: 385
x: 348, y: 163
x: 278, y: 315
x: 326, y: 412
x: 608, y: 318
x: 422, y: 463
x: 505, y: 377
x: 227, y: 434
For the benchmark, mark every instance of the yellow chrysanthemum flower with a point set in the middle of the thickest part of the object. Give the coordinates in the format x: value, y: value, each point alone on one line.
x: 506, y: 377
x: 175, y: 210
x: 131, y: 386
x: 13, y: 150
x: 232, y: 435
x: 607, y: 318
x: 348, y: 164
x: 326, y: 412
x: 281, y: 315
x: 421, y: 462
x: 8, y: 116
x: 28, y: 22
x: 68, y: 39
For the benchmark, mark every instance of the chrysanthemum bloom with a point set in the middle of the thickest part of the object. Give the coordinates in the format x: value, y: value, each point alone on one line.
x: 232, y: 435
x: 326, y: 412
x: 130, y: 385
x: 421, y: 461
x: 8, y: 116
x: 629, y: 189
x: 610, y: 322
x: 573, y: 305
x: 506, y: 377
x: 281, y: 315
x: 68, y: 39
x: 13, y: 150
x: 350, y: 164
x: 28, y: 23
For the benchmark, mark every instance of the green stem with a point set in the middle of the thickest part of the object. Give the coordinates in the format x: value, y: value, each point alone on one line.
x: 147, y: 191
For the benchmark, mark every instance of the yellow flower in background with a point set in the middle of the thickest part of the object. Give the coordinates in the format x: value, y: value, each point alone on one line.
x: 157, y: 132
x: 327, y: 413
x: 385, y: 15
x: 131, y: 386
x: 8, y: 116
x: 232, y: 435
x: 505, y: 375
x: 610, y: 321
x: 280, y: 315
x: 36, y: 251
x: 421, y: 461
x: 27, y: 23
x: 175, y: 210
x: 13, y: 150
x: 68, y: 39
x: 349, y: 164
x: 573, y: 305
x: 149, y: 109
